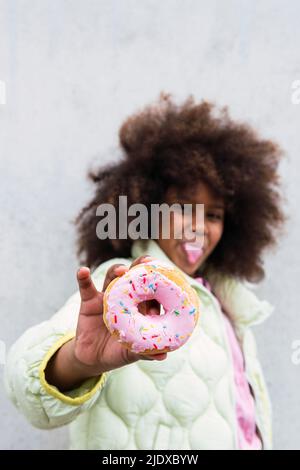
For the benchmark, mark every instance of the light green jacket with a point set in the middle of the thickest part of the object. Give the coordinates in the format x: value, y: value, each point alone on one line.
x: 184, y: 402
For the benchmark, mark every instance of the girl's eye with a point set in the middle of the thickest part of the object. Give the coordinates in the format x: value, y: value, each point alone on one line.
x: 181, y: 205
x: 215, y: 216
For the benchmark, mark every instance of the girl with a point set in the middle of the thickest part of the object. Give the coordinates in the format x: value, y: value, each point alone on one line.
x: 209, y: 394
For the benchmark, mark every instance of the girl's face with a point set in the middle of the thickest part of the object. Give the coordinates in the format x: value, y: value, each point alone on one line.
x: 189, y: 257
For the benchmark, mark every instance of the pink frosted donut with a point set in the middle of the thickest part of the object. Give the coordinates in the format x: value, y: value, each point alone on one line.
x: 151, y: 334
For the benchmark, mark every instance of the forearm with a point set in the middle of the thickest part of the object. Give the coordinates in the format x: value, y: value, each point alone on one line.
x: 65, y: 372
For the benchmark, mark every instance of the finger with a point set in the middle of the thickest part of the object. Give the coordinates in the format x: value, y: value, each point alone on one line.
x: 160, y: 357
x: 155, y: 357
x: 149, y: 307
x: 153, y: 307
x: 133, y: 357
x: 141, y: 259
x: 113, y: 272
x: 86, y: 286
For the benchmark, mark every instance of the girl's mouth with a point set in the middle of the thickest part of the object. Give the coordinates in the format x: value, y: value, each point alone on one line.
x: 192, y: 251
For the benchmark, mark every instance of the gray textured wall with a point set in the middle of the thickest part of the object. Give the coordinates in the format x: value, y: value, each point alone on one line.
x: 73, y: 70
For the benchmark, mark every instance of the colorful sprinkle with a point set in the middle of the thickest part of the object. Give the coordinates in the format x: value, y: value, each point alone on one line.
x: 126, y: 310
x: 176, y: 312
x: 142, y: 328
x: 115, y: 318
x: 154, y: 345
x: 152, y: 287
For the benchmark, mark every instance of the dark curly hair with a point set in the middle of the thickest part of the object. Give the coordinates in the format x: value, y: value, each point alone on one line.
x: 166, y: 145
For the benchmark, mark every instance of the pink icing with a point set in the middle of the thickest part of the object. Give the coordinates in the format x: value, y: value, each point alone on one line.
x: 171, y: 330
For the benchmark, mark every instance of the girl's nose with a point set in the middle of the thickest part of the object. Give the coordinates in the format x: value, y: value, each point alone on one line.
x: 199, y: 227
x: 195, y: 226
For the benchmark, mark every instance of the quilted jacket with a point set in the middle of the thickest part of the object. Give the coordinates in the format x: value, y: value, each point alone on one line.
x: 184, y: 402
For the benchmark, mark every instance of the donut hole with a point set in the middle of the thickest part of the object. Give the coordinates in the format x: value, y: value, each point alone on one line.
x: 151, y: 307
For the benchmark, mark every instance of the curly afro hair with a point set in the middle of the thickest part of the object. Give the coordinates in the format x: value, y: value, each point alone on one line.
x: 165, y: 145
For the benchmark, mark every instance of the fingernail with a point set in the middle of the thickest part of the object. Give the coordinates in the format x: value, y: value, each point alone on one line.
x: 79, y: 270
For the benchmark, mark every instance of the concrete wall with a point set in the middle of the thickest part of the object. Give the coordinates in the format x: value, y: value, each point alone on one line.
x: 73, y: 71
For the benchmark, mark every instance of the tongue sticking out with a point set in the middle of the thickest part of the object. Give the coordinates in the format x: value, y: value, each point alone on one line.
x: 193, y: 251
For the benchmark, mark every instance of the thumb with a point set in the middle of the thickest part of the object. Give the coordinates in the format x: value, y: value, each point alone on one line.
x: 87, y: 288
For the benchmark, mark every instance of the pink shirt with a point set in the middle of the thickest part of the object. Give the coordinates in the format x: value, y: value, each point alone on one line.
x: 248, y: 438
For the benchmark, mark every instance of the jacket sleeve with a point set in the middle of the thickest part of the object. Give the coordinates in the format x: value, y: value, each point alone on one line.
x: 43, y: 404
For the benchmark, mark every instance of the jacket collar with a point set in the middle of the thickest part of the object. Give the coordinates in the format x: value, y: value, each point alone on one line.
x: 237, y: 300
